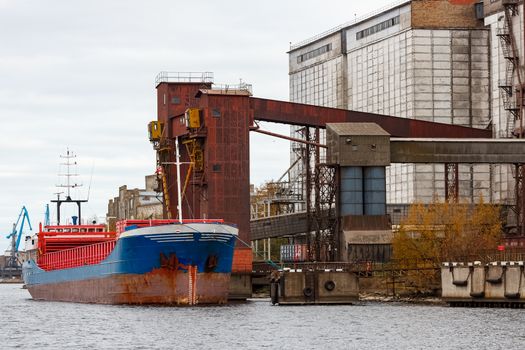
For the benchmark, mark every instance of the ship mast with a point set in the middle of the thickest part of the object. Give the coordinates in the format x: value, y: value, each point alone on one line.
x: 68, y: 175
x: 69, y: 185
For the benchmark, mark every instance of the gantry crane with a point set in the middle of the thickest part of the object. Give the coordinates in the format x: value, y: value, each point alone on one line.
x: 16, y: 236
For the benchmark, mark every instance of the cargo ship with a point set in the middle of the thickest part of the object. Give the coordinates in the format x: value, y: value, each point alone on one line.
x: 174, y: 262
x: 143, y: 262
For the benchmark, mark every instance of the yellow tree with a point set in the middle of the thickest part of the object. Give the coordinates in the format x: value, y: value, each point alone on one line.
x: 437, y: 232
x: 445, y: 231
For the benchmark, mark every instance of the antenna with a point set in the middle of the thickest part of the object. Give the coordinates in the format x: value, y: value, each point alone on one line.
x: 90, y: 179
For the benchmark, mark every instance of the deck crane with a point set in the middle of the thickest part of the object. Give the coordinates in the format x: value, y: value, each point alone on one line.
x: 16, y: 236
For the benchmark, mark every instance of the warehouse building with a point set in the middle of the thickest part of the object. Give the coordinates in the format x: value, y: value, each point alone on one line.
x: 435, y: 60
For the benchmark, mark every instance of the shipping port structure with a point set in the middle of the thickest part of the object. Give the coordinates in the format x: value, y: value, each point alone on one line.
x: 432, y: 75
x: 213, y: 123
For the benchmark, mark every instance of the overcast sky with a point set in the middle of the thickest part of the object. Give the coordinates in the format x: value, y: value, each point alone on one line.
x: 80, y: 74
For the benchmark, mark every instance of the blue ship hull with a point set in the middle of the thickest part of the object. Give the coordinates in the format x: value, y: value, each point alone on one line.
x: 166, y: 264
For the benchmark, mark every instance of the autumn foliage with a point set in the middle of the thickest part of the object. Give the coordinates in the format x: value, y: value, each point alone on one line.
x: 447, y: 231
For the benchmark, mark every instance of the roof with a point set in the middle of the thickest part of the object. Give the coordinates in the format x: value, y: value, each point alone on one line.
x: 349, y: 24
x: 356, y: 129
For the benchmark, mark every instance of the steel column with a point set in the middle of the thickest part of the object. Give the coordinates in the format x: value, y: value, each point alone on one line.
x: 451, y: 182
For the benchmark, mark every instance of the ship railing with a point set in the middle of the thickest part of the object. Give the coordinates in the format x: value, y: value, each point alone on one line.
x: 184, y: 77
x: 74, y: 257
x: 123, y: 224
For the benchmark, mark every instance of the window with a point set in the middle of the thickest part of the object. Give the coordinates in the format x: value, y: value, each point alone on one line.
x: 175, y: 100
x: 216, y: 167
x: 215, y: 113
x: 314, y: 53
x: 377, y: 28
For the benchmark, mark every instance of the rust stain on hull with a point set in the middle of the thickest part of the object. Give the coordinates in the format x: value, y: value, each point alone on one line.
x: 160, y: 286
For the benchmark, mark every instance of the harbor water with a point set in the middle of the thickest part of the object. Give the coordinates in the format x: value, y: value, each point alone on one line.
x: 256, y: 324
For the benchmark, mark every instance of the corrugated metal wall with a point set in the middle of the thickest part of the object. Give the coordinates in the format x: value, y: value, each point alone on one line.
x: 374, y: 190
x: 351, y: 202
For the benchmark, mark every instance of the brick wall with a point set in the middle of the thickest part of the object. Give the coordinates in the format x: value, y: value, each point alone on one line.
x: 444, y: 14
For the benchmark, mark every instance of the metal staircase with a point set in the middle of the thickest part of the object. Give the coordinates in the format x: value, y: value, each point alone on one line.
x: 506, y: 85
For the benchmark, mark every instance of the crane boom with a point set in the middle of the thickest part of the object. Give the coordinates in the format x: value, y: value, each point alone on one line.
x: 16, y: 235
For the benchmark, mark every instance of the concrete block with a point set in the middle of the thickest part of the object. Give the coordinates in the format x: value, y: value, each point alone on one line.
x: 460, y: 41
x: 442, y: 104
x: 423, y: 104
x: 461, y: 89
x: 460, y: 81
x: 440, y: 80
x: 441, y: 57
x: 445, y: 41
x: 419, y: 33
x: 424, y: 114
x: 442, y: 73
x: 459, y: 96
x: 425, y: 177
x: 478, y: 42
x: 442, y: 97
x: 423, y: 168
x: 479, y: 88
x: 444, y: 115
x: 423, y: 88
x: 441, y: 65
x: 479, y: 55
x: 419, y: 80
x: 480, y: 65
x: 442, y: 88
x: 438, y: 33
x: 422, y: 57
x: 422, y: 72
x: 460, y: 58
x: 477, y: 282
x: 423, y: 97
x: 480, y: 96
x: 465, y: 121
x: 421, y: 41
x: 460, y: 50
x: 460, y: 112
x: 460, y: 34
x: 482, y: 179
x: 442, y: 50
x: 480, y: 113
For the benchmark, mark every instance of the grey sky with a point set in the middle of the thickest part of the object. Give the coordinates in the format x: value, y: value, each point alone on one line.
x: 80, y: 74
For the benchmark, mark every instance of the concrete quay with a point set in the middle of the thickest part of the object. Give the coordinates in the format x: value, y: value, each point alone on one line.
x: 496, y: 284
x: 314, y: 286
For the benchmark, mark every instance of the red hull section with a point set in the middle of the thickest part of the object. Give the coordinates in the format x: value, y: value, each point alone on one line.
x: 161, y: 286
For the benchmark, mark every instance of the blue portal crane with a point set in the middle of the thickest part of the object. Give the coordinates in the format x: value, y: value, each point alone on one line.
x: 16, y: 236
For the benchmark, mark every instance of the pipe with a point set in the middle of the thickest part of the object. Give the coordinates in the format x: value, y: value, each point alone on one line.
x: 256, y: 129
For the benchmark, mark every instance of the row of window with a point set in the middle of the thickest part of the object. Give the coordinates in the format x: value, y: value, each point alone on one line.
x: 377, y: 28
x: 314, y: 53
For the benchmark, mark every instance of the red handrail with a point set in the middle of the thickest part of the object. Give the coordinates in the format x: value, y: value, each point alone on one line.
x: 68, y: 258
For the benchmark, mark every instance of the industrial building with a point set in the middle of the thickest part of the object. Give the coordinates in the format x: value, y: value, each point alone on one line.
x: 136, y: 203
x: 443, y: 61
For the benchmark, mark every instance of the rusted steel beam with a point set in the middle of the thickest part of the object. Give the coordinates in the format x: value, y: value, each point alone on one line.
x: 315, y: 116
x: 288, y: 137
x: 488, y: 151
